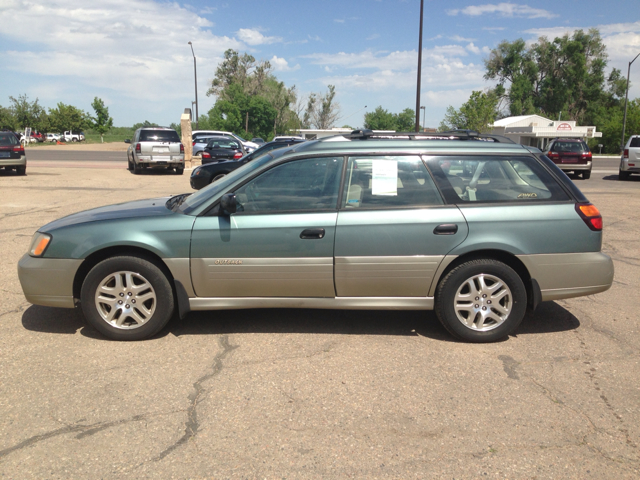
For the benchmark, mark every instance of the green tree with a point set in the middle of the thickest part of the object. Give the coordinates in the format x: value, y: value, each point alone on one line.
x: 102, y: 122
x: 7, y: 119
x: 146, y: 123
x: 477, y: 113
x: 564, y: 75
x: 380, y: 119
x: 406, y: 120
x: 28, y: 114
x: 67, y: 117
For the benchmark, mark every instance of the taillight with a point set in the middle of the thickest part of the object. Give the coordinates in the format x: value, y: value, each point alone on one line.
x: 591, y: 215
x: 193, y: 144
x: 586, y: 154
x: 206, y: 155
x: 626, y: 153
x: 552, y: 155
x: 237, y: 155
x: 181, y: 148
x: 138, y: 148
x: 19, y: 149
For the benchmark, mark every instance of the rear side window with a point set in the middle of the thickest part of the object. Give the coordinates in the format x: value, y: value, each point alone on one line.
x: 388, y: 182
x: 159, y: 136
x: 482, y: 179
x: 8, y: 139
x: 635, y: 142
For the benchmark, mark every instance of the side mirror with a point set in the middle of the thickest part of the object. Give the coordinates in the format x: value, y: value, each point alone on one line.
x: 127, y: 141
x: 228, y: 203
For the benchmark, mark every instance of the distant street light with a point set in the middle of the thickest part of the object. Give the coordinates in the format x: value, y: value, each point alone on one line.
x: 626, y: 98
x: 424, y: 114
x: 195, y: 76
x: 419, y: 68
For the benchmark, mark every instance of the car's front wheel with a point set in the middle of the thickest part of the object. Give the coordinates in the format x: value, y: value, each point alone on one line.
x: 481, y: 301
x: 218, y: 177
x: 127, y: 298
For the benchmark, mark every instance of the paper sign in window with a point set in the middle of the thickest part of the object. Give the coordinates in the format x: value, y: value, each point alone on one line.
x: 384, y: 178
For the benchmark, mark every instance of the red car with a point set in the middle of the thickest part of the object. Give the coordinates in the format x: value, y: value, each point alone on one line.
x: 571, y: 155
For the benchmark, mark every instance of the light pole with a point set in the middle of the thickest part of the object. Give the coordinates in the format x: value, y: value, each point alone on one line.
x: 626, y: 98
x: 424, y: 114
x: 419, y: 68
x: 195, y: 76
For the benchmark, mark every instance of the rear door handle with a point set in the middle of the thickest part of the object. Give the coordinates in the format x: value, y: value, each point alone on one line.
x: 446, y: 229
x: 311, y: 233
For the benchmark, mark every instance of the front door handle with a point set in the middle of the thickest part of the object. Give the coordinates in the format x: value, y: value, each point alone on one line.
x: 446, y: 229
x: 311, y: 233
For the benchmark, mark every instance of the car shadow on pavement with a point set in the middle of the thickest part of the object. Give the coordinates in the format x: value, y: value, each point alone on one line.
x: 632, y: 178
x: 548, y: 318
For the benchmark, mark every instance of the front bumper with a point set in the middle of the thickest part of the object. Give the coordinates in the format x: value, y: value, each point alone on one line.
x: 14, y: 162
x: 199, y: 181
x: 567, y: 275
x: 48, y: 281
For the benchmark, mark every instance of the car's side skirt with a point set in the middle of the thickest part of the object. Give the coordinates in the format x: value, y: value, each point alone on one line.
x: 338, y: 303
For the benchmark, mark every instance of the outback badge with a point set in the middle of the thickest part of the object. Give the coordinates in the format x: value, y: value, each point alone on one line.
x: 228, y: 262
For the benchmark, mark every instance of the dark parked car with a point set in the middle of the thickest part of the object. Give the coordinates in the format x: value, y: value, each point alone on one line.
x: 222, y: 148
x: 205, y: 174
x: 571, y: 155
x: 12, y: 156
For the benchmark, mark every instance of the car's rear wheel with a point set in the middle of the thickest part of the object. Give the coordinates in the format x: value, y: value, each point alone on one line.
x: 21, y: 170
x: 623, y: 175
x: 136, y: 168
x: 586, y: 175
x: 180, y: 170
x: 127, y: 298
x: 481, y: 301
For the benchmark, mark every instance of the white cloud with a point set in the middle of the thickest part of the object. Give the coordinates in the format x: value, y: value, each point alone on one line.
x: 503, y: 10
x: 442, y: 66
x: 472, y: 48
x: 493, y: 29
x: 373, y: 37
x: 135, y: 47
x: 458, y: 38
x: 253, y: 37
x: 281, y: 65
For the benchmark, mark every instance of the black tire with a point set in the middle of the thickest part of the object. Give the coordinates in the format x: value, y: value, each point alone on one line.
x: 74, y: 139
x: 218, y: 177
x: 180, y: 170
x: 136, y: 168
x: 623, y: 175
x: 129, y: 167
x: 139, y: 321
x: 21, y: 170
x: 586, y: 175
x: 515, y: 299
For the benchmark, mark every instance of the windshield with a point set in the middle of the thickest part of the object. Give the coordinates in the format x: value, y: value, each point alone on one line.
x: 197, y: 199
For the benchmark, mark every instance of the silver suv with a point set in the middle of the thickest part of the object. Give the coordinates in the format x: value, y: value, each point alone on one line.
x: 630, y: 160
x: 155, y: 147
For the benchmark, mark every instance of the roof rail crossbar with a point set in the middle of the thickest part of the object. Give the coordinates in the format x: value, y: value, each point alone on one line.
x: 366, y: 133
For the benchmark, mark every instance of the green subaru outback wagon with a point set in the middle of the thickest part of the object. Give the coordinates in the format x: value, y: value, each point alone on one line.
x: 472, y: 226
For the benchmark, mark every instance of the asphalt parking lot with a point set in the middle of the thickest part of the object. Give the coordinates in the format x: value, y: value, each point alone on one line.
x: 310, y: 393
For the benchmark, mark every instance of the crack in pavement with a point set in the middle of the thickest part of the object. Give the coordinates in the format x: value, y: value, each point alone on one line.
x: 192, y: 424
x: 85, y: 431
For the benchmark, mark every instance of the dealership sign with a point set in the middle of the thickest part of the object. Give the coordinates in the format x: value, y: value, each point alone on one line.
x: 563, y: 127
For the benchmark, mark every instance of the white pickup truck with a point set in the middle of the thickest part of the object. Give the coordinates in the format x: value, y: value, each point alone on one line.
x: 69, y: 136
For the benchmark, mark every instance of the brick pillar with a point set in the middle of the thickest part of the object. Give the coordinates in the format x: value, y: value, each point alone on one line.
x: 185, y: 125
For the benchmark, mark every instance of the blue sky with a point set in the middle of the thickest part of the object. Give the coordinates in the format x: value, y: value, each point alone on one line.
x: 134, y: 53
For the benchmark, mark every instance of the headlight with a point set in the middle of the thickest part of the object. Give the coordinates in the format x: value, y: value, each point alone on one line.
x: 39, y: 244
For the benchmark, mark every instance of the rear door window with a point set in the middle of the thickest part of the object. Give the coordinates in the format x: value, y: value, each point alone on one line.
x: 388, y: 182
x: 482, y: 179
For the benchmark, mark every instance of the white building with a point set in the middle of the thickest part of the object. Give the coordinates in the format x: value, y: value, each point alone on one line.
x: 537, y: 131
x: 314, y: 134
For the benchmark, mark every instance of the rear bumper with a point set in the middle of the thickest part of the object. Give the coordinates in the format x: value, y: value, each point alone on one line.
x: 160, y: 161
x: 624, y: 165
x: 567, y: 275
x: 48, y: 281
x: 574, y: 167
x: 13, y: 162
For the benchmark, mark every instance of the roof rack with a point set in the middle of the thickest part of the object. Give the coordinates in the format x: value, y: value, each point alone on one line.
x: 365, y: 134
